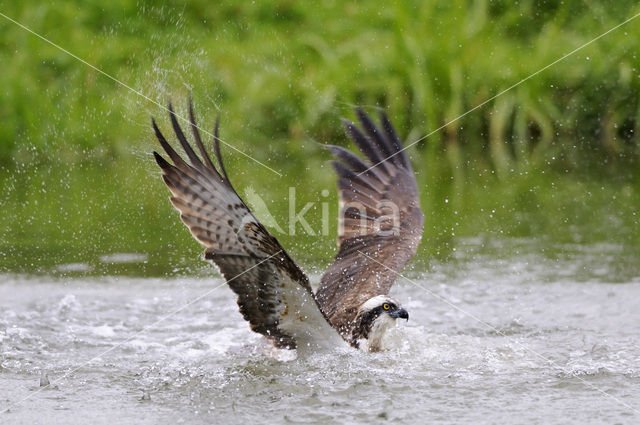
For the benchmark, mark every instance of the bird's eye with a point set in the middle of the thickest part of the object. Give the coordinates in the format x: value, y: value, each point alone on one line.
x: 385, y: 306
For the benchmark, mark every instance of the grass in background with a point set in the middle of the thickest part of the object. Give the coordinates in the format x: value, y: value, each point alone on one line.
x: 556, y: 157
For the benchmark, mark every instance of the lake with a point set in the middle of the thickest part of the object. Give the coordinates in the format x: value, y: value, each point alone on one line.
x: 504, y: 331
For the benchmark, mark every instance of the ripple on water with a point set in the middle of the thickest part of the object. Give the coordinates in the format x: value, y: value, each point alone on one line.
x: 548, y: 332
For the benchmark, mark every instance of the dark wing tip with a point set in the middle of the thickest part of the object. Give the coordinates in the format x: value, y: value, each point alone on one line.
x: 364, y: 118
x: 196, y: 136
x: 348, y: 124
x: 386, y: 143
x: 162, y: 163
x: 156, y: 130
x: 216, y: 147
x: 349, y: 158
x: 364, y: 143
x: 398, y: 150
x: 195, y: 161
x: 177, y: 160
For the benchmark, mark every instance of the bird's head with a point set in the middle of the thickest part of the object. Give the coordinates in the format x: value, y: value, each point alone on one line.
x: 383, y: 305
x: 375, y: 317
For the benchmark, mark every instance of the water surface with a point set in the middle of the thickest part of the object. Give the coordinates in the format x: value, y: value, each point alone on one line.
x: 504, y: 332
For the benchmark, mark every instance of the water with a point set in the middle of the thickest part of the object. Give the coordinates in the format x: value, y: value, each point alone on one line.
x: 528, y: 334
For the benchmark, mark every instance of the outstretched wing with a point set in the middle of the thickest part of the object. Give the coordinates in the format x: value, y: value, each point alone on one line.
x: 274, y: 294
x: 380, y: 218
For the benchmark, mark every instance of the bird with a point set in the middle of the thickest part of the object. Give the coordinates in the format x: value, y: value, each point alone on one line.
x: 380, y: 228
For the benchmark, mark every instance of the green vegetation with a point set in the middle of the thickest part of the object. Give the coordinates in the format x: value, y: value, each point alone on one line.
x: 555, y: 158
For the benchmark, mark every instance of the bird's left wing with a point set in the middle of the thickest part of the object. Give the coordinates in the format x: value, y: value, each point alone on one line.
x: 274, y: 294
x: 380, y: 220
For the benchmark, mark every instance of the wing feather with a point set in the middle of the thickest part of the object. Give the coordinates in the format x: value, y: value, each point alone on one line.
x: 274, y: 294
x: 380, y: 216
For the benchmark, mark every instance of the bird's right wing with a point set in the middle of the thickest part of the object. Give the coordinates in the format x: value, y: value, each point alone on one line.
x: 274, y: 294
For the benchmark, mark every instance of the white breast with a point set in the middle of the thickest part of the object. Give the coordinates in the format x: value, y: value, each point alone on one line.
x: 380, y: 326
x: 301, y: 318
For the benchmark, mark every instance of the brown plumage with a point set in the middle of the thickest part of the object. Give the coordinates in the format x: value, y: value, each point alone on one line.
x: 368, y: 196
x: 380, y: 218
x: 249, y: 258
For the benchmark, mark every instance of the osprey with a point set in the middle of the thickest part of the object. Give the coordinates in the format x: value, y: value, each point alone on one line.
x: 380, y: 228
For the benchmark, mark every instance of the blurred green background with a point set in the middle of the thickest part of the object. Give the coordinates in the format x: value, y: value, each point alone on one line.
x: 555, y: 159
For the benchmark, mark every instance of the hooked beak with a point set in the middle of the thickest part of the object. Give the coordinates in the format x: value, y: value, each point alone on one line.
x: 400, y: 313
